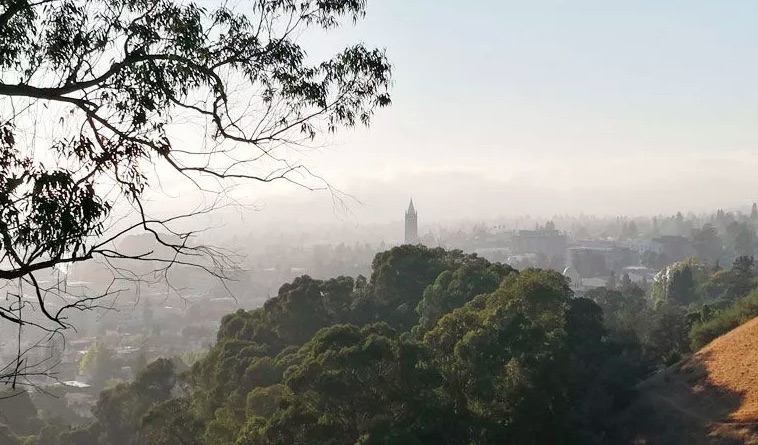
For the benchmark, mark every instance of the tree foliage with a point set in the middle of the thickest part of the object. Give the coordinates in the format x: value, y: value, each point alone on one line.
x: 18, y: 413
x: 489, y: 355
x: 511, y: 359
x: 111, y: 80
x: 454, y: 288
x: 714, y: 325
x: 359, y: 386
x: 98, y: 364
x: 508, y: 357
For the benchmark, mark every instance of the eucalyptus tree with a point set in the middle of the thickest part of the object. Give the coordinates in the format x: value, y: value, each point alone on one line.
x: 98, y: 98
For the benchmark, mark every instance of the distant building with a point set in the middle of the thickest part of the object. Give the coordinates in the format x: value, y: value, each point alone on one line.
x: 639, y: 274
x: 592, y: 261
x: 676, y: 248
x: 411, y: 225
x: 545, y: 241
x: 581, y: 285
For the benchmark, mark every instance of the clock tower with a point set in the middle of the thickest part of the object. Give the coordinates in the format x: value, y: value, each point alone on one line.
x: 411, y: 225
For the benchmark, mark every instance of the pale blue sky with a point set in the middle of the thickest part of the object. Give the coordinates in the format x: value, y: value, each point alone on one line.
x: 564, y: 95
x: 546, y: 107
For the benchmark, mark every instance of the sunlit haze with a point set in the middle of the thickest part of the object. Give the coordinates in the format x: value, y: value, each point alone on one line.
x: 344, y: 222
x: 543, y: 107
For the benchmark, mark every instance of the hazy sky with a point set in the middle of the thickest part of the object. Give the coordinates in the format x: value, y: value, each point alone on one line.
x: 586, y: 105
x: 544, y: 107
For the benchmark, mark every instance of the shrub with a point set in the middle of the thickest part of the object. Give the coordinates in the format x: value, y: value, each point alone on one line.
x: 744, y: 310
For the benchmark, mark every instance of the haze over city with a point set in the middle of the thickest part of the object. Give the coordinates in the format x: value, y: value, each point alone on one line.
x: 378, y: 222
x: 550, y: 107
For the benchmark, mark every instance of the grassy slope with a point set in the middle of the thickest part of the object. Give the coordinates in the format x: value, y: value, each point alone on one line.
x: 711, y: 398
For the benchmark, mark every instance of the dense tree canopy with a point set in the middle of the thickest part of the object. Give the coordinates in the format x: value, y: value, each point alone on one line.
x: 484, y: 354
x: 490, y: 355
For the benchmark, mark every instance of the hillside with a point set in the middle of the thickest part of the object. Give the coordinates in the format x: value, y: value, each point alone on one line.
x: 711, y: 398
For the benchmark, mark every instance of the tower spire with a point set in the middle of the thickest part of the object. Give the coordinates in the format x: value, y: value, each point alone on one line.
x: 411, y: 224
x: 411, y: 209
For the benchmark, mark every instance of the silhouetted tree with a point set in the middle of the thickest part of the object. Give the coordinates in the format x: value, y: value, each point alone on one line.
x: 707, y: 244
x: 109, y: 80
x: 681, y: 288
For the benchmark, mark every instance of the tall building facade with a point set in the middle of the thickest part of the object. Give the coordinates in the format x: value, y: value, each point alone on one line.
x: 411, y: 225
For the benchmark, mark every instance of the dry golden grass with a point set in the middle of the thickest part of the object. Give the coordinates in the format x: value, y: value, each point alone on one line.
x: 731, y: 363
x: 710, y: 399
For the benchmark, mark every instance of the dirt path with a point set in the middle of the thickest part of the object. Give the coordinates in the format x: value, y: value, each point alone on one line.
x: 690, y: 413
